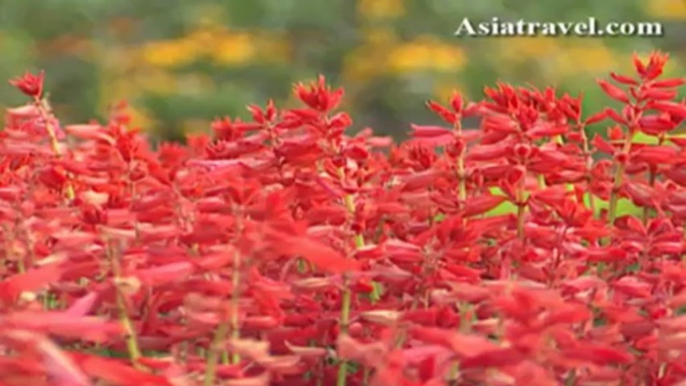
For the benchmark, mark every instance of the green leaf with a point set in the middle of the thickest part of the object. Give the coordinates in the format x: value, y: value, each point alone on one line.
x: 504, y: 208
x: 624, y: 206
x: 645, y: 139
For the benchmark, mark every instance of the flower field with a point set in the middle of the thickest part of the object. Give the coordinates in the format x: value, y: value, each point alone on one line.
x: 281, y: 250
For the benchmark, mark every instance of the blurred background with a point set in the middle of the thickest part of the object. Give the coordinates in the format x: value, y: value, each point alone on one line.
x: 181, y: 63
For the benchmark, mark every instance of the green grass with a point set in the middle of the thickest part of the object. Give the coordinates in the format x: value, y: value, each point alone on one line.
x: 624, y: 207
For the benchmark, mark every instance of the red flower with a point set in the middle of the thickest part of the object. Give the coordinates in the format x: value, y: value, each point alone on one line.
x: 30, y: 84
x: 319, y: 95
x: 613, y: 91
x: 520, y: 250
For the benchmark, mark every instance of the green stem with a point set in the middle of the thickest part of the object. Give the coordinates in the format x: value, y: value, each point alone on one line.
x: 465, y: 310
x: 652, y: 176
x: 646, y: 210
x: 366, y: 375
x: 54, y: 143
x: 541, y: 182
x: 571, y: 379
x: 462, y: 190
x: 589, y: 164
x: 131, y: 339
x: 521, y: 208
x: 454, y: 374
x: 347, y: 296
x: 213, y: 353
x: 520, y: 221
x: 619, y: 178
x: 345, y: 320
x: 461, y: 172
x: 345, y: 310
x: 614, y: 197
x: 124, y: 320
x: 223, y: 328
x: 235, y: 298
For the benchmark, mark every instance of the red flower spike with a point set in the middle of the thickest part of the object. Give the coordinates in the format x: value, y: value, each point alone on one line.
x: 318, y: 95
x: 429, y: 131
x: 639, y: 66
x: 655, y: 125
x: 595, y: 118
x: 615, y: 116
x: 445, y: 114
x: 30, y: 84
x: 672, y: 108
x: 456, y: 102
x: 599, y: 354
x: 482, y: 205
x: 668, y: 83
x: 484, y: 251
x: 263, y: 116
x: 623, y: 79
x: 656, y: 94
x: 613, y: 91
x: 115, y: 371
x: 656, y: 64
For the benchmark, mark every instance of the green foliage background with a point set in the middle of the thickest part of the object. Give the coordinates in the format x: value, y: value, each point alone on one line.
x: 182, y: 63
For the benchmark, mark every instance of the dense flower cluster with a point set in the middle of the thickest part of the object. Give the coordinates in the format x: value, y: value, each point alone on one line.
x: 282, y: 251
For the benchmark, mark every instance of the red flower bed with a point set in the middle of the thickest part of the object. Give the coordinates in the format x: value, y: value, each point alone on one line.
x: 284, y: 252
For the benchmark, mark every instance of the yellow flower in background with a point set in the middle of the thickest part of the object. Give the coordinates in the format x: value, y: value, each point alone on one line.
x: 195, y: 126
x: 158, y: 82
x: 140, y: 118
x: 666, y: 9
x: 273, y: 48
x: 408, y: 57
x: 381, y: 9
x: 206, y: 38
x: 225, y: 47
x: 195, y: 84
x: 443, y: 91
x: 170, y: 53
x: 594, y: 57
x: 525, y: 48
x: 116, y: 89
x: 368, y: 60
x: 377, y: 36
x: 234, y: 49
x: 585, y: 56
x: 363, y: 64
x: 426, y: 53
x: 447, y: 58
x: 219, y: 44
x: 276, y: 50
